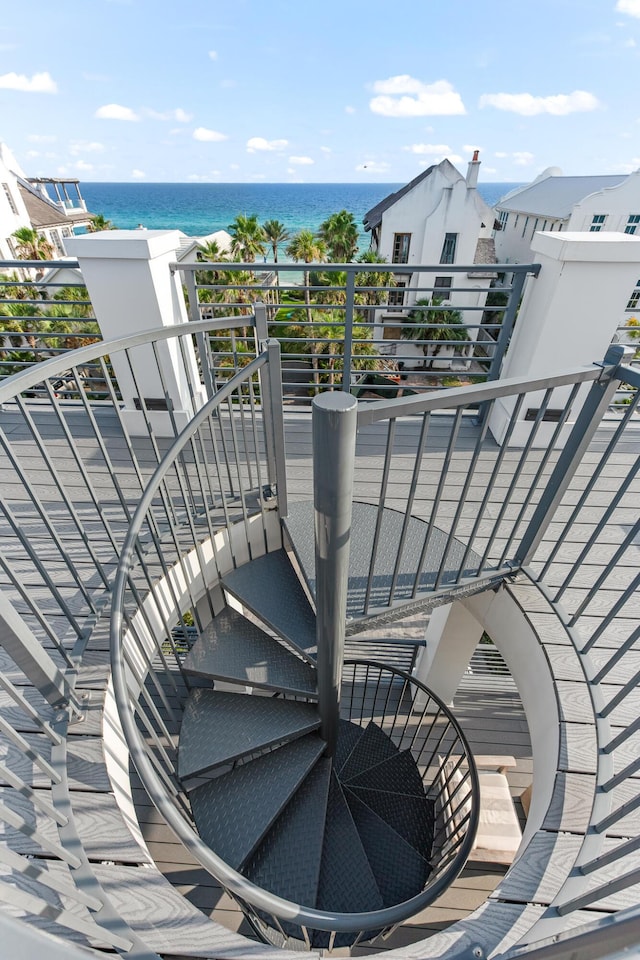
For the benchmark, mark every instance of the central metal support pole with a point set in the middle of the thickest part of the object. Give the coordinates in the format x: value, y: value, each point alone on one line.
x: 334, y: 446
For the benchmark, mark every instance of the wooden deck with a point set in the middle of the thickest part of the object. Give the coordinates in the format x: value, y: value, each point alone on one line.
x: 491, y: 714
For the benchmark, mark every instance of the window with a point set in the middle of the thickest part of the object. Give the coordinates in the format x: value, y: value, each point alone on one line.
x: 634, y: 299
x: 632, y: 223
x: 526, y: 224
x: 503, y: 217
x: 12, y: 202
x: 401, y: 243
x: 396, y: 294
x: 598, y: 222
x: 442, y: 287
x: 448, y: 254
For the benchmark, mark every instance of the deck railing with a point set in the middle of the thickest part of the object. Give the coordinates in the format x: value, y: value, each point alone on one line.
x: 75, y: 473
x: 376, y: 327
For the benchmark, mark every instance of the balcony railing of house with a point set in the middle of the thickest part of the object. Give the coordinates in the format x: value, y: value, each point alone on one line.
x: 379, y: 328
x: 361, y: 329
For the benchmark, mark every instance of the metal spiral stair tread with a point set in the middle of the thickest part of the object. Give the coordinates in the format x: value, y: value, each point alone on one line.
x: 351, y: 833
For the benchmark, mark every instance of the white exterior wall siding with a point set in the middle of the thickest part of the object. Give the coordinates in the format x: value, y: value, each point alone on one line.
x: 441, y: 203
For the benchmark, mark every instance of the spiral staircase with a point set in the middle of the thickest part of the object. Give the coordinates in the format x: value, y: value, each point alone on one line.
x: 343, y: 828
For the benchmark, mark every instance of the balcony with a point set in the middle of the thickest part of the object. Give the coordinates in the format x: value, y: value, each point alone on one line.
x: 157, y: 493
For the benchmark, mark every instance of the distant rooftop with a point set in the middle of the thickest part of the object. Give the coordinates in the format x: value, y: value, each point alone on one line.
x: 373, y: 217
x: 555, y: 196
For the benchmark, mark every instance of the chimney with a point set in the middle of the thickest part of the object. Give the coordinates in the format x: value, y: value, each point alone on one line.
x: 472, y: 170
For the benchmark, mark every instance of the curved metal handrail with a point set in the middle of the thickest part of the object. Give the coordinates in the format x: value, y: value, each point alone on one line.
x: 233, y: 881
x: 55, y: 366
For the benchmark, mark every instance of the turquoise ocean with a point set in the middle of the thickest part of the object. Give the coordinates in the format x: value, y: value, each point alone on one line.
x: 201, y: 208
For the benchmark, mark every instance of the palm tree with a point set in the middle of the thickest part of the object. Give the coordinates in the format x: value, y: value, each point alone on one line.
x: 340, y: 233
x: 247, y: 238
x: 276, y: 233
x: 32, y: 245
x: 306, y: 248
x: 99, y: 222
x: 373, y: 278
x: 442, y: 326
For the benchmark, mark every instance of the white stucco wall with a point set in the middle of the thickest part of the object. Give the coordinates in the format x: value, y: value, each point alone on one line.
x: 441, y: 203
x: 10, y: 221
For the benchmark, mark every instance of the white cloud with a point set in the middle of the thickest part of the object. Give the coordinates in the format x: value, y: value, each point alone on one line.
x: 138, y: 174
x: 41, y: 138
x: 213, y: 54
x: 114, y: 111
x: 85, y: 146
x: 629, y: 42
x: 528, y: 105
x: 203, y: 177
x: 259, y: 143
x: 632, y: 7
x: 500, y: 154
x: 522, y: 158
x: 326, y: 149
x: 38, y: 83
x: 234, y: 166
x: 373, y: 166
x: 179, y: 115
x: 83, y: 167
x: 422, y: 148
x: 301, y: 161
x: 404, y: 96
x: 469, y: 148
x: 208, y: 136
x: 349, y: 109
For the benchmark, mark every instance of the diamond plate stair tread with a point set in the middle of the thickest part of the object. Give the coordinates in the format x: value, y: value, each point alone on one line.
x: 348, y: 735
x: 347, y: 883
x: 411, y: 818
x: 398, y: 774
x: 299, y: 526
x: 234, y: 812
x: 234, y: 649
x: 400, y: 871
x: 219, y: 727
x: 372, y: 748
x: 269, y: 587
x: 287, y: 862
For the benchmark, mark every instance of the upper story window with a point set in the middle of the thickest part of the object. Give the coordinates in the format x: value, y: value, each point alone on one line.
x: 401, y: 242
x: 503, y: 218
x: 632, y: 223
x: 526, y: 224
x: 442, y: 287
x: 448, y: 254
x: 634, y: 299
x: 598, y: 222
x: 12, y: 202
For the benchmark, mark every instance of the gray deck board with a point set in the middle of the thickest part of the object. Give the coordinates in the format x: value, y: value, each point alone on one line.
x: 493, y: 720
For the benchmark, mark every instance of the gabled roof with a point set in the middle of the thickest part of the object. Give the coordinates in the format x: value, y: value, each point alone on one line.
x: 42, y: 214
x: 373, y: 217
x: 555, y: 196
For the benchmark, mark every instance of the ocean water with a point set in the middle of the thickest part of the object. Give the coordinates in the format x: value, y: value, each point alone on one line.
x: 201, y: 208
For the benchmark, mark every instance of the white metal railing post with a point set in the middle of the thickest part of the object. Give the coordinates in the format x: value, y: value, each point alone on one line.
x: 334, y: 443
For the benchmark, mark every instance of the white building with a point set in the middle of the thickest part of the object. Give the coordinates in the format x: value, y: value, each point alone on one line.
x: 437, y: 218
x: 554, y: 203
x: 26, y: 202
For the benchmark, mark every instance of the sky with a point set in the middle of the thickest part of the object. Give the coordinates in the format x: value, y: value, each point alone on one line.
x: 350, y: 91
